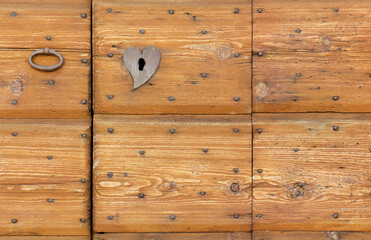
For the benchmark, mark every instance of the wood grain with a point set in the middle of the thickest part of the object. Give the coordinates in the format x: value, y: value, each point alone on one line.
x: 174, y: 236
x: 272, y: 235
x: 35, y: 20
x: 186, y: 53
x: 45, y: 237
x: 35, y: 96
x: 309, y: 177
x: 172, y: 172
x: 29, y: 177
x: 330, y: 51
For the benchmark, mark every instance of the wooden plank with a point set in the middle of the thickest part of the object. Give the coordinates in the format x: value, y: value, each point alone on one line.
x: 38, y: 98
x: 309, y: 177
x: 186, y: 54
x: 196, y: 179
x: 45, y: 237
x: 34, y: 20
x: 44, y: 180
x: 174, y: 236
x: 311, y: 54
x: 272, y: 235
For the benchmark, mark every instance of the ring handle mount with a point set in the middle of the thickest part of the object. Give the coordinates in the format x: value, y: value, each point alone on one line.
x: 46, y: 51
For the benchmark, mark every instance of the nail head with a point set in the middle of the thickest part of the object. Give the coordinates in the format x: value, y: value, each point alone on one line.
x: 110, y: 96
x: 110, y: 130
x: 83, y: 15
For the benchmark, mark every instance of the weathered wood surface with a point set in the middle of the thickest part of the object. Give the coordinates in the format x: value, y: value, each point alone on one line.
x: 186, y: 54
x: 204, y: 154
x: 36, y: 95
x: 174, y: 236
x: 45, y: 237
x: 42, y: 166
x: 311, y: 53
x: 274, y: 235
x: 308, y: 176
x: 34, y: 20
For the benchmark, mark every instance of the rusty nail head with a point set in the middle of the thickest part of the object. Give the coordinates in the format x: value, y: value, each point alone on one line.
x: 110, y: 217
x: 205, y: 150
x: 15, y: 134
x: 141, y: 195
x: 204, y: 32
x: 171, y: 11
x: 336, y: 10
x: 83, y: 15
x: 172, y: 131
x: 83, y: 180
x: 50, y: 200
x: 236, y: 216
x: 335, y: 98
x: 259, y: 215
x: 259, y: 130
x: 110, y: 174
x: 236, y: 170
x: 296, y: 150
x: 48, y: 38
x: 260, y: 10
x: 84, y: 101
x: 110, y: 130
x: 204, y: 75
x: 142, y: 152
x: 110, y: 96
x: 14, y: 220
x: 14, y: 102
x: 235, y: 187
x: 172, y: 217
x: 260, y: 54
x: 236, y: 99
x: 110, y: 55
x: 237, y: 54
x: 50, y: 157
x: 260, y: 170
x: 109, y: 10
x: 298, y: 75
x: 142, y: 31
x: 335, y: 128
x: 236, y: 130
x: 236, y: 10
x: 84, y: 135
x: 335, y: 215
x: 13, y: 14
x: 50, y: 82
x: 84, y: 60
x: 171, y: 99
x: 83, y: 220
x: 298, y: 30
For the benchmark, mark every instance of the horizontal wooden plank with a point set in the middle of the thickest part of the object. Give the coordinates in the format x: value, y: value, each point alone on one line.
x: 312, y: 82
x: 39, y: 94
x: 45, y: 237
x: 186, y: 54
x: 312, y: 26
x: 311, y: 172
x: 44, y: 180
x: 273, y: 235
x: 174, y: 236
x: 150, y: 178
x: 28, y: 23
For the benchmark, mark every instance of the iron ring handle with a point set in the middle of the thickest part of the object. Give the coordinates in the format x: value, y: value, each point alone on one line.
x: 46, y: 51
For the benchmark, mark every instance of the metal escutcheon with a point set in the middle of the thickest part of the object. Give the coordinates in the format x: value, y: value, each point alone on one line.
x: 46, y: 51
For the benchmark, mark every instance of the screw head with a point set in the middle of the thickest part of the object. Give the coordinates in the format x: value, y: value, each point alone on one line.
x: 110, y: 174
x: 236, y: 170
x: 335, y: 98
x: 259, y: 215
x: 142, y: 31
x: 236, y: 99
x: 110, y: 130
x: 14, y: 102
x: 298, y: 30
x: 109, y: 10
x: 204, y: 32
x: 236, y: 216
x: 335, y: 215
x: 260, y: 54
x: 110, y: 217
x: 48, y: 38
x: 50, y: 82
x: 50, y: 200
x: 298, y: 75
x: 142, y: 152
x: 14, y: 220
x: 260, y: 170
x: 83, y: 220
x: 204, y: 75
x: 15, y: 134
x: 335, y: 128
x: 237, y: 54
x: 110, y: 55
x: 172, y: 131
x: 172, y: 217
x: 84, y: 60
x: 236, y: 130
x: 260, y: 10
x: 141, y: 195
x: 50, y: 157
x: 236, y: 10
x: 110, y: 96
x: 171, y: 99
x: 84, y: 101
x: 171, y: 11
x: 336, y: 10
x: 13, y: 14
x: 83, y: 180
x: 259, y: 130
x: 205, y: 150
x: 84, y: 135
x: 83, y: 15
x: 202, y: 193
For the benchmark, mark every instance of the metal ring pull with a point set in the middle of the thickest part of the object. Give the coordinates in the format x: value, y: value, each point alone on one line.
x: 46, y: 51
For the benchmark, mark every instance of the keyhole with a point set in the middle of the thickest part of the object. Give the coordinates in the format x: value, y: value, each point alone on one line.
x: 141, y: 64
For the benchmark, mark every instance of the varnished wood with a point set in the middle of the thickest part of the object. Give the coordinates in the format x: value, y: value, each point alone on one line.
x: 35, y: 96
x: 309, y: 177
x: 172, y: 173
x: 330, y: 53
x: 45, y: 237
x: 29, y: 177
x: 35, y: 20
x: 173, y: 236
x: 186, y: 53
x: 275, y: 235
